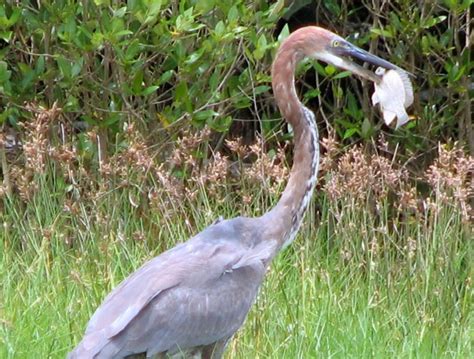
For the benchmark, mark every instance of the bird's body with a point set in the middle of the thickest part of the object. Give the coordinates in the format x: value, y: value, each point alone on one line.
x: 191, y: 299
x: 191, y: 296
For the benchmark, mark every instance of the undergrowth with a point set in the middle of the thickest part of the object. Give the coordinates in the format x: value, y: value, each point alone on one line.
x: 382, y: 266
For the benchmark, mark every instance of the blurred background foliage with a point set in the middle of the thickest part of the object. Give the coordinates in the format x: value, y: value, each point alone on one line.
x: 169, y: 66
x: 127, y: 126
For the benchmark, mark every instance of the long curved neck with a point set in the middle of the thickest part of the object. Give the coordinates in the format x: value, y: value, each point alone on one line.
x: 285, y: 218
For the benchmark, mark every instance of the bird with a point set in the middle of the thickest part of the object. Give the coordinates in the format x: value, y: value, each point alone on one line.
x: 190, y: 300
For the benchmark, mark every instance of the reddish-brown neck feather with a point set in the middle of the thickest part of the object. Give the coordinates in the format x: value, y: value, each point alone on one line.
x: 284, y: 219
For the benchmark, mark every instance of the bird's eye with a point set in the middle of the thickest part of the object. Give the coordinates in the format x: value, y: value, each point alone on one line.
x: 335, y: 43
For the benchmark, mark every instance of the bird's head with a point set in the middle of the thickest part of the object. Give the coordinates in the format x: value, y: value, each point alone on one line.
x: 321, y: 44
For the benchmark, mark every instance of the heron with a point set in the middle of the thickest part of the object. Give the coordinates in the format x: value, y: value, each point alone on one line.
x: 190, y: 300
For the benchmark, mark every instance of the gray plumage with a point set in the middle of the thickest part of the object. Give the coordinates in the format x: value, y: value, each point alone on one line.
x: 196, y: 294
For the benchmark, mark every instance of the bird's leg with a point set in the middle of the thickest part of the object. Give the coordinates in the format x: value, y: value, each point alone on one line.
x: 215, y: 350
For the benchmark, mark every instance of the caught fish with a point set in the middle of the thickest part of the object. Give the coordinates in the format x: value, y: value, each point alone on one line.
x: 394, y: 94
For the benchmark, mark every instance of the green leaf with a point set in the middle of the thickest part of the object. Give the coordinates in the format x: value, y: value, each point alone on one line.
x: 6, y: 35
x: 353, y: 109
x: 350, y: 132
x: 64, y: 67
x: 97, y: 39
x: 27, y: 80
x: 5, y: 74
x: 133, y: 49
x: 381, y: 32
x: 330, y: 70
x: 276, y: 10
x: 204, y: 115
x: 260, y: 89
x: 320, y: 69
x: 261, y: 47
x: 219, y: 29
x: 205, y: 6
x: 15, y: 16
x: 137, y: 82
x: 311, y: 94
x: 149, y: 90
x: 154, y: 8
x: 120, y: 12
x: 284, y: 33
x: 233, y: 14
x: 345, y: 123
x: 341, y: 75
x: 433, y: 21
x: 123, y: 33
x: 77, y: 67
x: 451, y: 4
x: 112, y: 118
x: 6, y: 22
x: 220, y: 124
x: 40, y: 65
x: 102, y: 2
x: 182, y: 96
x: 165, y: 77
x: 333, y: 7
x: 194, y: 57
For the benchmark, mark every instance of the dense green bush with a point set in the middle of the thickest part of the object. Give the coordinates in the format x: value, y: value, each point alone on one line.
x: 206, y: 62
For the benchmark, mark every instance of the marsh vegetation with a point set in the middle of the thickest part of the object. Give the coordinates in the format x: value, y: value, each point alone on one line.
x: 128, y: 127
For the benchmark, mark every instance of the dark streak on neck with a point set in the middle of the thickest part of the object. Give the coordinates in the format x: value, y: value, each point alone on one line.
x: 285, y: 218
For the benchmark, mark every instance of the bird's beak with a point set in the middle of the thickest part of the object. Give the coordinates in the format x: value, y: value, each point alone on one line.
x: 346, y: 52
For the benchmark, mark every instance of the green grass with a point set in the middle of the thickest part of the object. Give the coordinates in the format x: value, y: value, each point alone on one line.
x: 379, y: 300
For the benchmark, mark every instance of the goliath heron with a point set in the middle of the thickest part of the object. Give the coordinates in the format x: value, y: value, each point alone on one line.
x: 191, y: 299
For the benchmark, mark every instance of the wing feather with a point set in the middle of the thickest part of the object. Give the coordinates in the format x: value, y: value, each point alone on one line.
x: 206, y: 285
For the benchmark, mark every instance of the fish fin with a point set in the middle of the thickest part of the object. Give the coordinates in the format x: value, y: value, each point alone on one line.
x: 407, y: 86
x: 388, y: 117
x: 402, y: 118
